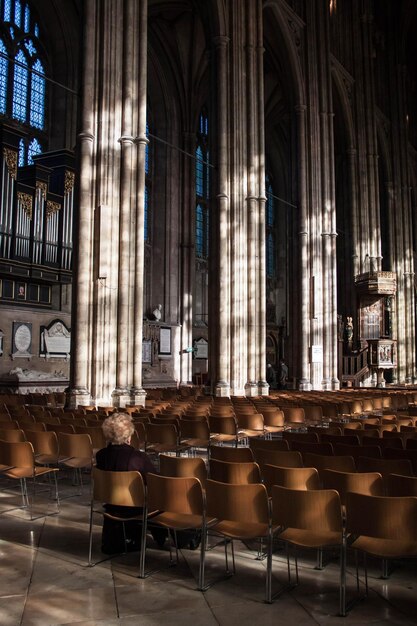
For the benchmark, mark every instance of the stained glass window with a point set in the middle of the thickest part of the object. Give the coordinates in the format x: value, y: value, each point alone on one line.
x: 23, y: 94
x: 202, y: 188
x: 3, y: 78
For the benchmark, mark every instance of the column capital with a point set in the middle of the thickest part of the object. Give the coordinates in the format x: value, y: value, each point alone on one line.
x: 300, y: 108
x: 221, y: 41
x: 86, y: 136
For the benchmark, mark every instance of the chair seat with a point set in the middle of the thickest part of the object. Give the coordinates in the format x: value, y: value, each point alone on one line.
x: 76, y: 462
x: 196, y: 443
x: 309, y: 538
x: 28, y: 472
x: 45, y: 459
x: 274, y: 429
x: 247, y: 432
x: 240, y: 530
x: 177, y: 520
x: 385, y: 548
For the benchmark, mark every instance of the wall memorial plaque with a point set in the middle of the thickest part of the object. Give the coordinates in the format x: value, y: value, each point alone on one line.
x: 164, y: 341
x: 147, y: 351
x: 22, y: 339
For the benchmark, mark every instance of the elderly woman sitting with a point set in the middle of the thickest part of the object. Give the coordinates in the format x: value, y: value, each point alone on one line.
x: 120, y: 456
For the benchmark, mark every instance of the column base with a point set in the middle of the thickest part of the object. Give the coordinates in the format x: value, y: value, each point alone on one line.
x: 137, y: 396
x: 251, y: 390
x: 304, y: 385
x: 78, y: 396
x: 263, y: 388
x: 326, y: 384
x: 222, y: 389
x: 120, y: 397
x: 335, y: 384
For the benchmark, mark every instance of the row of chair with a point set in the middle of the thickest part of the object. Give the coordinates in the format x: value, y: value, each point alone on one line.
x: 305, y: 518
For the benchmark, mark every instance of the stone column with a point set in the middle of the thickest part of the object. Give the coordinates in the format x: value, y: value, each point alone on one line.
x: 304, y: 383
x: 137, y: 392
x: 222, y: 373
x: 80, y: 336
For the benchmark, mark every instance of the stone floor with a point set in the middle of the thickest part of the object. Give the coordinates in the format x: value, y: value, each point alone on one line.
x: 45, y: 581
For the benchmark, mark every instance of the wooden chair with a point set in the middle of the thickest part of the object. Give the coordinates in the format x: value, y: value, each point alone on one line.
x: 350, y: 440
x: 309, y: 437
x: 304, y: 447
x: 273, y: 420
x: 398, y: 485
x: 250, y: 425
x: 75, y: 453
x: 224, y: 429
x: 240, y: 512
x: 290, y: 477
x: 357, y: 451
x: 310, y: 519
x: 294, y: 415
x: 322, y: 462
x: 232, y: 454
x: 268, y: 444
x: 20, y: 458
x: 370, y: 483
x: 183, y: 467
x: 195, y: 434
x: 234, y: 473
x: 12, y: 436
x: 9, y: 425
x: 125, y: 489
x: 385, y: 466
x: 45, y: 446
x: 383, y: 527
x: 384, y: 442
x: 179, y: 503
x: 163, y: 438
x: 282, y: 458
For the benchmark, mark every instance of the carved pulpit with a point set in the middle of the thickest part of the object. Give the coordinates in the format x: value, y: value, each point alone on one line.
x: 376, y: 302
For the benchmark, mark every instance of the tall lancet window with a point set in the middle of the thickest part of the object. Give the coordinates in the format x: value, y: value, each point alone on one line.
x: 270, y: 230
x: 202, y: 189
x: 22, y: 76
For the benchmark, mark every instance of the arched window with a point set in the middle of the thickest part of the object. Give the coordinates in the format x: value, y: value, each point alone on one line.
x: 22, y: 76
x: 270, y: 230
x: 202, y: 182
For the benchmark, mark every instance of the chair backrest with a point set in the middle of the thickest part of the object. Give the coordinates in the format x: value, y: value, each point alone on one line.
x: 316, y: 448
x: 322, y: 462
x: 20, y: 454
x: 290, y: 477
x: 357, y: 451
x: 225, y: 425
x: 385, y: 466
x: 237, y: 503
x: 250, y: 421
x: 294, y: 414
x: 118, y: 488
x: 398, y: 485
x: 43, y: 442
x: 349, y: 426
x: 384, y: 442
x: 183, y: 467
x: 315, y: 510
x: 388, y: 518
x: 13, y: 435
x: 370, y: 483
x: 305, y: 437
x: 231, y: 454
x: 74, y: 445
x: 195, y: 429
x: 313, y: 412
x: 234, y: 473
x: 282, y: 458
x: 273, y: 416
x: 350, y: 440
x: 39, y: 426
x: 9, y: 425
x: 61, y: 428
x: 183, y: 495
x: 268, y: 444
x: 96, y: 433
x: 161, y: 433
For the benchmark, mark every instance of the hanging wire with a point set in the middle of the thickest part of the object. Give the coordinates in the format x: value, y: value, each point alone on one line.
x: 167, y: 143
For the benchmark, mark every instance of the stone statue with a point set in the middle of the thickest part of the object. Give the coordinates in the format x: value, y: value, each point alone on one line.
x: 157, y: 313
x: 349, y: 329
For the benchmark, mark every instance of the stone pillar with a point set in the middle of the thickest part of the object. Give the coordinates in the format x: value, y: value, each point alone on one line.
x: 304, y: 383
x: 137, y: 392
x: 222, y: 373
x: 80, y: 336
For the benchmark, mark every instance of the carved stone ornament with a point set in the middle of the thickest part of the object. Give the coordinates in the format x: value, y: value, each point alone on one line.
x: 51, y: 208
x: 42, y: 187
x: 10, y: 156
x: 69, y: 181
x: 26, y: 201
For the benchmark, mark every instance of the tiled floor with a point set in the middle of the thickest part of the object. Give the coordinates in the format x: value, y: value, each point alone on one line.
x: 45, y: 581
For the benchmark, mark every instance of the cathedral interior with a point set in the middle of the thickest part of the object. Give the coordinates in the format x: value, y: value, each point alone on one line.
x: 245, y: 169
x: 191, y: 190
